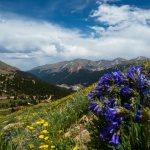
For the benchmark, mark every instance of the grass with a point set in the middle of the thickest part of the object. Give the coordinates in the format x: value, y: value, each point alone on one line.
x: 56, y: 117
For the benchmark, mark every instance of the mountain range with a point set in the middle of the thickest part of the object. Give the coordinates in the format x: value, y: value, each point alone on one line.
x: 44, y: 80
x: 80, y: 72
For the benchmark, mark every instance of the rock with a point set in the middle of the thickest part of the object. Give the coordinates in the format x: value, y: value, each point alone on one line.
x: 85, y: 136
x: 68, y: 134
x: 84, y: 119
x: 83, y: 147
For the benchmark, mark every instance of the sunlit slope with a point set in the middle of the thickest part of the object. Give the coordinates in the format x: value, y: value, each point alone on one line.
x: 59, y: 116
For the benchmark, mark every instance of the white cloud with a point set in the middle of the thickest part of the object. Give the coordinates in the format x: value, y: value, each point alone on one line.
x: 37, y: 42
x: 127, y: 33
x: 115, y: 15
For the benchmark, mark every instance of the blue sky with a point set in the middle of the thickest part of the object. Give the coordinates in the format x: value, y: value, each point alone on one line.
x: 37, y: 32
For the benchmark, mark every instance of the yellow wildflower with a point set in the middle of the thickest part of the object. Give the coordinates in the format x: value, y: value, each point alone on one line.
x: 41, y: 147
x: 45, y: 124
x: 45, y: 131
x: 38, y: 123
x: 31, y: 146
x: 53, y: 146
x: 44, y: 147
x: 42, y: 121
x: 46, y: 138
x: 30, y: 127
x: 76, y: 148
x: 41, y: 136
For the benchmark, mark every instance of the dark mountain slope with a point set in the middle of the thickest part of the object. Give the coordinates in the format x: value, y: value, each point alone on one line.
x: 80, y: 71
x: 14, y: 82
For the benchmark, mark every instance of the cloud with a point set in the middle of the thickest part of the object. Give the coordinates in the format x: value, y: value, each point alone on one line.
x: 42, y: 39
x: 126, y: 29
x: 36, y: 42
x: 115, y: 15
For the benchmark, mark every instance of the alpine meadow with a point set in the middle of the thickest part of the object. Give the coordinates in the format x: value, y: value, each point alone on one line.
x: 74, y: 75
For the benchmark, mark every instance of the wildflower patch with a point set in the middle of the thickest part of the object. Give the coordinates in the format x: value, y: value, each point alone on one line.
x: 119, y: 101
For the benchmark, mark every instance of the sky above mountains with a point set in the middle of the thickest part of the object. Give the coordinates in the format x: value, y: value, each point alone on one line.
x: 37, y: 32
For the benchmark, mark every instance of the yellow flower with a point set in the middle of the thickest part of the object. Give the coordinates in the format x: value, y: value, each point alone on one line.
x: 41, y: 147
x: 76, y: 148
x: 45, y: 131
x: 44, y: 147
x: 31, y: 146
x: 42, y: 121
x: 41, y: 136
x: 53, y: 146
x: 45, y: 124
x: 38, y: 123
x: 30, y: 127
x: 46, y: 138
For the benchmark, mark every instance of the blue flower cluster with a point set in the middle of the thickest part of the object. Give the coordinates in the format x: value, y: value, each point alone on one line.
x: 116, y: 95
x: 8, y: 136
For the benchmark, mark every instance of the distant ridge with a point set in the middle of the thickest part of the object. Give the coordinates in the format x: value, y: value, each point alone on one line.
x: 77, y: 64
x: 79, y: 71
x: 6, y: 69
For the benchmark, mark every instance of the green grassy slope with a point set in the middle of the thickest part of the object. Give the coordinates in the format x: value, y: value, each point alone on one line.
x: 60, y: 115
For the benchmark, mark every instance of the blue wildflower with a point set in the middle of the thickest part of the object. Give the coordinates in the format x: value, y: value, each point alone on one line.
x: 138, y: 116
x: 118, y: 77
x: 99, y: 110
x: 109, y: 101
x: 127, y: 106
x: 110, y: 113
x: 115, y: 140
x: 8, y: 136
x: 127, y: 86
x: 92, y: 106
x: 126, y: 91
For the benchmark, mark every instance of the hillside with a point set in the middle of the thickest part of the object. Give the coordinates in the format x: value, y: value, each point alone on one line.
x: 6, y: 69
x: 18, y: 88
x: 59, y: 118
x: 80, y: 72
x: 20, y: 83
